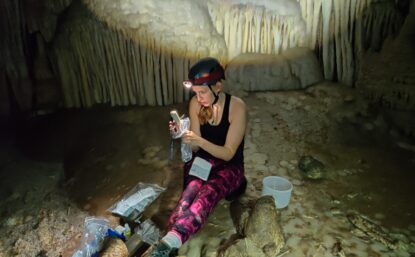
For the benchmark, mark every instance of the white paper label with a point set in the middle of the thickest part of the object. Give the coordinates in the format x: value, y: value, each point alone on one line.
x: 200, y: 168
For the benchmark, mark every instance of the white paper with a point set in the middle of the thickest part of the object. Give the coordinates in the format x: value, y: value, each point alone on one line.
x: 200, y: 168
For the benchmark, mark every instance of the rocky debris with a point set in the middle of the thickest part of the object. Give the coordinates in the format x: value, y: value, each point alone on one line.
x: 259, y: 228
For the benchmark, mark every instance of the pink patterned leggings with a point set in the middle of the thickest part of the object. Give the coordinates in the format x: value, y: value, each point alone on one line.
x: 200, y: 197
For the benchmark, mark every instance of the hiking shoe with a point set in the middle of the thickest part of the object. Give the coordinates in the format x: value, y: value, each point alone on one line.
x: 163, y: 250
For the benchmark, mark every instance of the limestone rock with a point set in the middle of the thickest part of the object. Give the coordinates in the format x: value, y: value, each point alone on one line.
x: 304, y: 65
x: 260, y: 228
x: 243, y: 248
x: 312, y: 168
x: 263, y: 227
x: 293, y: 69
x: 240, y: 211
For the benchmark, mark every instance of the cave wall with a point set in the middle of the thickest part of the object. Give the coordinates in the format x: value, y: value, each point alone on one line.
x: 138, y: 53
x: 28, y: 27
x: 388, y: 78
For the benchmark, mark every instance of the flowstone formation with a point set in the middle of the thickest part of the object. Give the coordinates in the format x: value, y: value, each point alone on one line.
x: 127, y: 52
x: 152, y: 53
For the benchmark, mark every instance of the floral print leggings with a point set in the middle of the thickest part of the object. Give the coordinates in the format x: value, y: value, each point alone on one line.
x: 200, y: 197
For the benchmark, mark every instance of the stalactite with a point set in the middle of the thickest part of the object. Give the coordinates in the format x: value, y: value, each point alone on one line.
x: 123, y: 65
x: 126, y: 61
x: 327, y: 41
x: 251, y: 28
x: 342, y: 24
x: 14, y: 51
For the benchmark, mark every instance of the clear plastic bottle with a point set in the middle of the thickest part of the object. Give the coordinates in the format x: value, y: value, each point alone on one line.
x: 186, y: 152
x: 186, y: 149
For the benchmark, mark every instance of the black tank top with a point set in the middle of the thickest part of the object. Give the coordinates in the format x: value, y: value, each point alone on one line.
x: 217, y: 134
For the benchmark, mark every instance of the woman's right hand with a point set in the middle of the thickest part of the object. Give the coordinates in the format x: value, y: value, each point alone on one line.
x: 174, y: 128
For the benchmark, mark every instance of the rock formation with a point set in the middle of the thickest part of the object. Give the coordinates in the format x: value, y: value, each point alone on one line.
x: 126, y: 52
x: 259, y: 228
x: 388, y: 80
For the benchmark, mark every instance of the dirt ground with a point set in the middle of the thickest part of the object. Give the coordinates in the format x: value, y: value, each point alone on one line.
x: 56, y: 169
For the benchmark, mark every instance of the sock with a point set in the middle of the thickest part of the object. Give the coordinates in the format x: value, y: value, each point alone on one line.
x: 172, y: 240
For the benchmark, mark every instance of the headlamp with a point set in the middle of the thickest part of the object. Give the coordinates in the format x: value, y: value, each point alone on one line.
x: 187, y: 84
x: 205, y: 79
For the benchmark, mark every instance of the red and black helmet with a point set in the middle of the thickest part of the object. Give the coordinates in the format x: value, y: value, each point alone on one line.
x: 205, y: 72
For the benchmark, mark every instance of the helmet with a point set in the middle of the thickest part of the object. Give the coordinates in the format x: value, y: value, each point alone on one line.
x: 206, y: 71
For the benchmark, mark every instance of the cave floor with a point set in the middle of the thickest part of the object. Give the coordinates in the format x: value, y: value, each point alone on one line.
x: 59, y: 168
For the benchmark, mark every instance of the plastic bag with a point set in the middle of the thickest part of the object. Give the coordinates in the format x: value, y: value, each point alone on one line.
x: 148, y: 232
x: 185, y: 149
x: 94, y: 235
x: 136, y: 201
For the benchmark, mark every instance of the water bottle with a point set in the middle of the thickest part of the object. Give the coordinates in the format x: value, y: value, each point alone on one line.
x: 185, y: 148
x: 186, y: 152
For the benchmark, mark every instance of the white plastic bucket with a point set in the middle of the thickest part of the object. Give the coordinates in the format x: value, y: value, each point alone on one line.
x: 279, y: 188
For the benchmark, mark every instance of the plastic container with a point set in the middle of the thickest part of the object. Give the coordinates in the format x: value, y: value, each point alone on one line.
x: 186, y: 149
x: 279, y: 188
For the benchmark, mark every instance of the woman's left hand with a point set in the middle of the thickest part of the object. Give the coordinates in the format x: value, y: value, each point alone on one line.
x: 191, y: 138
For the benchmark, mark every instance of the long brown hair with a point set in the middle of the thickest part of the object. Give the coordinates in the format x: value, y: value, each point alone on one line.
x: 205, y: 114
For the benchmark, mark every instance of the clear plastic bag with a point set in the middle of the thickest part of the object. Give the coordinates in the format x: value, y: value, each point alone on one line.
x: 148, y: 232
x: 136, y: 201
x: 95, y: 232
x: 185, y: 149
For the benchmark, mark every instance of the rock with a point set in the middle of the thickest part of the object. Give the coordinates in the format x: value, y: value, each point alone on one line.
x: 240, y: 211
x: 260, y: 228
x: 313, y: 168
x: 294, y: 68
x: 263, y: 227
x: 243, y: 248
x: 373, y: 230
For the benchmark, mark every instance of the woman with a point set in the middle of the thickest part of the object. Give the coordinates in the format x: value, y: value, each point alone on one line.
x: 216, y: 171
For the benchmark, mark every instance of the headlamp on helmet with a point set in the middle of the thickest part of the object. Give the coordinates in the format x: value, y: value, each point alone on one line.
x: 205, y: 72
